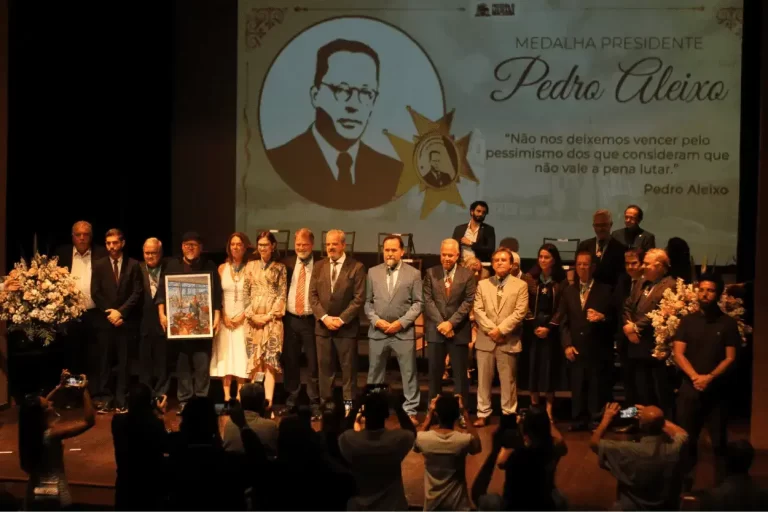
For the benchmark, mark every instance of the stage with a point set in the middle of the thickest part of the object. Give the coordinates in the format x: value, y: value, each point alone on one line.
x: 90, y: 465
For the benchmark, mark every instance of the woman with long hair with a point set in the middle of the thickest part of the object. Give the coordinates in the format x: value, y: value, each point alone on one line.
x: 229, y: 357
x: 265, y: 296
x: 41, y: 453
x: 546, y: 283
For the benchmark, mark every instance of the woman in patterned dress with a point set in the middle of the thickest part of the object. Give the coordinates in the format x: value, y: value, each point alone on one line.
x: 265, y: 295
x: 228, y: 357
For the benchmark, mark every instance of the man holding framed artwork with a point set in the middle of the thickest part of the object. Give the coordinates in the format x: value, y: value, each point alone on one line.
x: 190, y: 283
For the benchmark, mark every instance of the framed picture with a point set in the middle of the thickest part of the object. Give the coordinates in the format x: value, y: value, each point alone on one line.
x: 189, y: 306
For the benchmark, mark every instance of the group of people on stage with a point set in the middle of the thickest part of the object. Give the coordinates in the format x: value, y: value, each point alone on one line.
x: 267, y: 312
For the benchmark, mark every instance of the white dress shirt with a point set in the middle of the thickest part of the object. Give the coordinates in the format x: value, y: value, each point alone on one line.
x: 340, y: 262
x: 291, y: 304
x: 466, y: 250
x: 331, y: 154
x: 395, y: 274
x: 81, y: 271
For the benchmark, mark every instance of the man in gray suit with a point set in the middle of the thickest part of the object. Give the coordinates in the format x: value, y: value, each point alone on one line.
x: 449, y: 293
x: 392, y: 304
x: 501, y: 303
x: 336, y: 294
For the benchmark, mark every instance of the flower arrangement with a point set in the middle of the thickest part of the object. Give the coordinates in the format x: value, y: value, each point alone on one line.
x: 681, y: 301
x: 46, y: 300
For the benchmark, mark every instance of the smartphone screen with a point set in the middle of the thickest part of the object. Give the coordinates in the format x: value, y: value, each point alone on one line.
x: 629, y: 412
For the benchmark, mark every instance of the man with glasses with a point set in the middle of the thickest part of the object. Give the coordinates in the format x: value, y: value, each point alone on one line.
x: 607, y: 252
x: 328, y: 164
x: 192, y: 365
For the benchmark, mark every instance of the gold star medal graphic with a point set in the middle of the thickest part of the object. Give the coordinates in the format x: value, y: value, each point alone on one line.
x: 435, y: 161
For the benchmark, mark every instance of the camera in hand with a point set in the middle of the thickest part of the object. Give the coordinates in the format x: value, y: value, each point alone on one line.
x: 74, y: 381
x: 259, y: 378
x: 628, y: 413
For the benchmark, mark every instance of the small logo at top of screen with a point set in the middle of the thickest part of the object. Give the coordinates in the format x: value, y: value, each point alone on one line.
x: 487, y: 10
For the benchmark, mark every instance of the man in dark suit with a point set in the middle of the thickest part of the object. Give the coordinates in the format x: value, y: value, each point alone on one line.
x: 78, y: 258
x: 650, y: 373
x: 449, y: 294
x: 632, y: 235
x: 116, y: 289
x: 328, y: 164
x: 607, y: 252
x: 336, y: 295
x: 586, y: 332
x: 299, y: 323
x: 435, y: 177
x: 152, y: 342
x: 476, y: 238
x: 193, y: 376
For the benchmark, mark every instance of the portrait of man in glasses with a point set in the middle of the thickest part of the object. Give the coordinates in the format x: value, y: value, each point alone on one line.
x: 328, y: 163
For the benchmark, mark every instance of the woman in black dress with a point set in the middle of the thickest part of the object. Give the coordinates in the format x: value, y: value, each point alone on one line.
x: 546, y: 282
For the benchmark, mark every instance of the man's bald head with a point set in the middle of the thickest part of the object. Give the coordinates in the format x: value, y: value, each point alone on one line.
x: 651, y: 419
x: 449, y: 253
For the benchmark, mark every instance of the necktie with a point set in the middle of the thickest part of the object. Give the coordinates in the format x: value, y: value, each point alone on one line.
x: 344, y: 162
x: 152, y: 282
x: 448, y: 283
x: 583, y: 294
x: 600, y: 249
x: 334, y: 273
x: 116, y: 271
x: 301, y: 287
x: 390, y: 273
x: 499, y: 294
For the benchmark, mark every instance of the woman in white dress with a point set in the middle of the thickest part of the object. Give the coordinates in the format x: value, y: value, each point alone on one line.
x: 229, y: 358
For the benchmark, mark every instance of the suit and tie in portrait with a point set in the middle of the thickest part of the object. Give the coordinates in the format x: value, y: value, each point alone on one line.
x: 393, y: 303
x: 116, y: 288
x: 328, y: 163
x: 336, y: 295
x: 449, y: 295
x: 500, y: 306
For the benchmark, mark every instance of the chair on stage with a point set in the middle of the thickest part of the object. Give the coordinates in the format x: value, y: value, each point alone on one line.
x: 349, y: 238
x: 407, y: 238
x: 568, y: 247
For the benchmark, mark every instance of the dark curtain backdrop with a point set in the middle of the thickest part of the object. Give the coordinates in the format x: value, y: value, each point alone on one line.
x: 90, y: 119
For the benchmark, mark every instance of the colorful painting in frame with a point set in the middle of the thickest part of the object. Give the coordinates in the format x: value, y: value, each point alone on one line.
x: 188, y: 301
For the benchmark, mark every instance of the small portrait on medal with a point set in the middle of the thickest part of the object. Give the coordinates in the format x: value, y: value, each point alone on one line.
x: 190, y: 311
x: 437, y: 161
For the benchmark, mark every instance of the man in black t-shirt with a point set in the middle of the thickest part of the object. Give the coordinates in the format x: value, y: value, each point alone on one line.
x: 705, y: 348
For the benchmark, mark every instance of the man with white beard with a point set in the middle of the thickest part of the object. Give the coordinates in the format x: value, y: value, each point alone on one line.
x: 299, y: 324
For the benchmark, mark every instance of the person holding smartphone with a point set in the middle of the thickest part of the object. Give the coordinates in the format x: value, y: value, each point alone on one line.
x: 445, y: 450
x: 41, y: 453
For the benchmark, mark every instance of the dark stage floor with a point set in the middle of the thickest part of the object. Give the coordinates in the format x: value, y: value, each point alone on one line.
x: 90, y: 464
